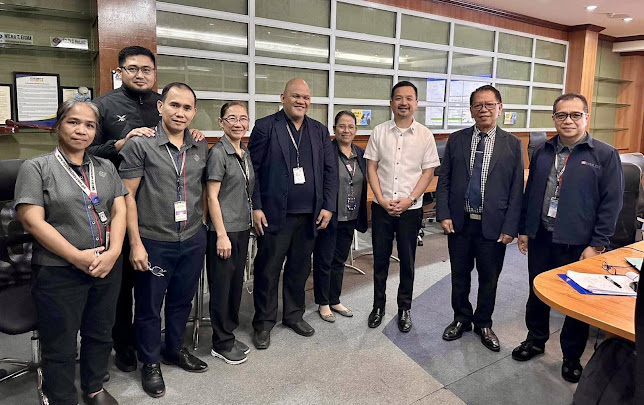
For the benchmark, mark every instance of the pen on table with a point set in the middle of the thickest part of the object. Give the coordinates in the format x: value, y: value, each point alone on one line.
x: 612, y: 281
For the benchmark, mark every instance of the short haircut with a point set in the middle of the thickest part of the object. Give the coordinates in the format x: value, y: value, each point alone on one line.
x: 570, y: 96
x: 345, y: 112
x: 225, y: 107
x: 487, y: 87
x: 67, y: 106
x: 404, y: 83
x: 178, y: 85
x: 135, y: 51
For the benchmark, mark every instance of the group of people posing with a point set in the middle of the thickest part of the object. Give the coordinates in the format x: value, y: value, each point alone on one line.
x: 131, y: 200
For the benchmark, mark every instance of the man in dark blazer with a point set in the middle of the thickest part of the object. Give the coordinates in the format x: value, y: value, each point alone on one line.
x: 478, y: 205
x: 296, y: 188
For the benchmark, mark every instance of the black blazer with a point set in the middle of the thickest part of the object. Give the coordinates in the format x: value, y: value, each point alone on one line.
x: 362, y: 224
x: 503, y: 189
x: 269, y: 151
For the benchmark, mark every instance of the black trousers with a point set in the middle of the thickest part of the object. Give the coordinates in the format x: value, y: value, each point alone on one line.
x: 226, y: 280
x: 466, y: 248
x: 405, y: 229
x: 543, y: 255
x: 295, y: 243
x: 123, y: 333
x: 182, y: 262
x: 332, y: 247
x: 68, y: 300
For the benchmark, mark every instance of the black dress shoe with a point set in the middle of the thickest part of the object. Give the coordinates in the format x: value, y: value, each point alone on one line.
x: 125, y: 360
x: 404, y: 320
x: 102, y: 398
x: 242, y: 346
x: 455, y: 330
x: 152, y: 380
x: 526, y: 350
x: 186, y: 361
x: 301, y: 328
x: 571, y: 370
x: 488, y: 338
x: 375, y: 317
x: 106, y: 377
x: 262, y: 339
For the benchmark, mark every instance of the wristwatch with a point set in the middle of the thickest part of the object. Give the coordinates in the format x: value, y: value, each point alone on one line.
x: 599, y: 249
x: 413, y: 200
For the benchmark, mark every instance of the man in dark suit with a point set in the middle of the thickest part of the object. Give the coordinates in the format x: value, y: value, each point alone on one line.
x: 295, y: 195
x: 478, y: 205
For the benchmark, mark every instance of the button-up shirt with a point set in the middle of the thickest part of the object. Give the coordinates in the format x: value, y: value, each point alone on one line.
x: 44, y: 182
x: 402, y: 155
x: 487, y: 156
x: 344, y: 214
x: 160, y: 187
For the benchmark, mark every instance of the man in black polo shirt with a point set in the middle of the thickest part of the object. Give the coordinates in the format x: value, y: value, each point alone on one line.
x: 296, y: 188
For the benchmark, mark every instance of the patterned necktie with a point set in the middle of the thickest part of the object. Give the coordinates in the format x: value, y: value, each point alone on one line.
x: 474, y: 187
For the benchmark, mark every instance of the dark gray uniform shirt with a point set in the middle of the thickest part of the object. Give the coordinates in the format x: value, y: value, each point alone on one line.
x: 160, y: 187
x: 44, y: 182
x: 344, y: 214
x: 224, y: 165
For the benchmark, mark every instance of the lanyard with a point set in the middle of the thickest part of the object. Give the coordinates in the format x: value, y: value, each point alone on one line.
x: 297, y: 145
x: 174, y: 163
x: 560, y: 173
x: 246, y: 174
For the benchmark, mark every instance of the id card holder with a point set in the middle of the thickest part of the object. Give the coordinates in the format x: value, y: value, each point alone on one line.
x: 298, y: 175
x: 180, y: 211
x: 107, y: 238
x: 552, y: 207
x: 351, y: 203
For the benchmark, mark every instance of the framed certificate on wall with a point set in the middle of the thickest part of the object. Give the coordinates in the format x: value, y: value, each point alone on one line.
x: 36, y: 97
x: 81, y: 93
x: 6, y: 102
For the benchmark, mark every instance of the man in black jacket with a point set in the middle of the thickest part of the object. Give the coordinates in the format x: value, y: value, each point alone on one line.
x: 478, y: 205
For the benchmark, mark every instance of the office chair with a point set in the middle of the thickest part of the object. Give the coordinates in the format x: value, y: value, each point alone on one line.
x: 627, y: 223
x: 429, y: 199
x: 536, y: 139
x: 17, y: 310
x: 636, y: 159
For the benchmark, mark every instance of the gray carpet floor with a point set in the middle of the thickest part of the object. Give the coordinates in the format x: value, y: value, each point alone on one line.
x: 348, y: 363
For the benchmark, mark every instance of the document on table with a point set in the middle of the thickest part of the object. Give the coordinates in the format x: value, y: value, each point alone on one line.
x: 635, y: 262
x: 603, y: 284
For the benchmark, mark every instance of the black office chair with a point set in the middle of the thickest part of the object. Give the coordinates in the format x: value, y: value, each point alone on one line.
x: 536, y: 139
x: 636, y: 159
x: 429, y: 199
x: 627, y: 223
x: 17, y: 310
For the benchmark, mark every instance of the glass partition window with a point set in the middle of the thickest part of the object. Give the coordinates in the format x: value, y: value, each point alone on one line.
x: 363, y: 53
x: 424, y: 30
x: 424, y: 60
x: 310, y: 12
x: 551, y: 51
x: 271, y: 79
x: 515, y: 45
x: 512, y: 69
x: 541, y: 119
x: 365, y: 20
x: 356, y: 85
x: 203, y: 74
x: 511, y: 118
x: 288, y: 44
x: 548, y: 74
x: 543, y: 96
x: 473, y: 38
x: 238, y: 7
x: 513, y: 94
x: 471, y: 65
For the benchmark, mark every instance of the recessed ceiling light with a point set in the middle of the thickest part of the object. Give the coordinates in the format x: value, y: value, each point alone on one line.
x: 591, y: 8
x: 628, y: 19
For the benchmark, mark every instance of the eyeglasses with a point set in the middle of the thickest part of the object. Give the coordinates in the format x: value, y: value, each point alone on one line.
x: 146, y: 70
x: 234, y: 120
x: 576, y: 116
x: 488, y: 106
x: 346, y: 127
x: 611, y: 268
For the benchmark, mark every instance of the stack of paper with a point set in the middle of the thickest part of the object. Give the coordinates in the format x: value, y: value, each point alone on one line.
x: 604, y: 284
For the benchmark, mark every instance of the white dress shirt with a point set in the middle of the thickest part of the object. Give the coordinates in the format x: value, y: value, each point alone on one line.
x: 402, y: 155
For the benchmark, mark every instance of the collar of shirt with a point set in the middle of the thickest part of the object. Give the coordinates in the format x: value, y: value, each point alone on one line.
x: 490, y: 134
x: 229, y: 148
x: 393, y: 127
x: 561, y: 146
x: 354, y: 153
x: 162, y: 138
x: 292, y: 125
x: 86, y: 159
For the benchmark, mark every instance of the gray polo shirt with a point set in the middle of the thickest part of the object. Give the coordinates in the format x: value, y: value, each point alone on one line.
x: 44, y: 182
x: 224, y: 165
x: 160, y: 187
x: 344, y: 214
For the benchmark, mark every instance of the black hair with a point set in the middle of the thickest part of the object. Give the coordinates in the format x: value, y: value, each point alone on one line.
x: 404, y: 83
x: 67, y: 106
x: 487, y: 87
x: 135, y: 51
x: 229, y: 104
x: 570, y: 96
x: 345, y: 112
x: 179, y: 85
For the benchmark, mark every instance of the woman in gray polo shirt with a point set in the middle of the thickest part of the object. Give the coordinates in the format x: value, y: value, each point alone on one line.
x: 73, y: 205
x: 230, y: 186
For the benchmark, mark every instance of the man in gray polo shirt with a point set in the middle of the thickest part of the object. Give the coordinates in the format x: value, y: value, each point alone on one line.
x: 165, y: 177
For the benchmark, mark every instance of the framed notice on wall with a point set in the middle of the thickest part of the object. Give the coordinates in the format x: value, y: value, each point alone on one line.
x: 6, y: 102
x: 77, y: 93
x: 36, y: 97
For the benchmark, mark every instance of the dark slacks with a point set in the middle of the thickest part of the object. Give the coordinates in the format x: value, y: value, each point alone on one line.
x: 332, y: 247
x: 543, y: 255
x: 294, y: 242
x: 68, y: 300
x: 123, y: 333
x: 182, y: 262
x: 225, y: 280
x: 466, y: 248
x: 405, y: 229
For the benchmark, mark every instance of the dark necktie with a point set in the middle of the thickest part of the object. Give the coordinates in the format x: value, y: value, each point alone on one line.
x: 474, y: 187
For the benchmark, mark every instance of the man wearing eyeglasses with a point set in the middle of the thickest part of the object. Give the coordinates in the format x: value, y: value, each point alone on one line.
x: 478, y: 205
x: 570, y: 207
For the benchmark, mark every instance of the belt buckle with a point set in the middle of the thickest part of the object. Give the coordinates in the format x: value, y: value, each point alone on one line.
x: 476, y: 217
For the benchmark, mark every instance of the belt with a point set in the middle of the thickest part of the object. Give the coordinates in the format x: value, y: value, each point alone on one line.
x: 476, y: 217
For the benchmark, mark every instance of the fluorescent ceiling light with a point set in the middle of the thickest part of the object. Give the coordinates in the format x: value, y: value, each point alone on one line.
x: 591, y: 8
x: 628, y: 19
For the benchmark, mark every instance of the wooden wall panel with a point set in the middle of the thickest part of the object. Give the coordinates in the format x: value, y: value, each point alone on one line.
x: 582, y: 61
x: 631, y: 117
x: 122, y: 23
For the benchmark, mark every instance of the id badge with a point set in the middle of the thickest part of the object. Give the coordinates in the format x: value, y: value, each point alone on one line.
x: 107, y: 238
x: 298, y: 175
x: 552, y: 207
x: 351, y: 203
x: 180, y: 211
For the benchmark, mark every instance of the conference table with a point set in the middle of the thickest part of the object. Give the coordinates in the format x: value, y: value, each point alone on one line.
x: 614, y: 314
